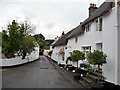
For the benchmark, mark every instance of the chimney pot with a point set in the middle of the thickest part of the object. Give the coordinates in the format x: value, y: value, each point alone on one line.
x: 80, y: 22
x: 63, y: 33
x: 13, y: 22
x: 92, y: 8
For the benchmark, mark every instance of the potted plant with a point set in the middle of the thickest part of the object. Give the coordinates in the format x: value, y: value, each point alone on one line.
x: 97, y: 58
x: 76, y: 56
x: 89, y: 69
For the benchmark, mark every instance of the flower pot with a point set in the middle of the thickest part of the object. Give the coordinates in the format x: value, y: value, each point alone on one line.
x: 76, y: 76
x: 9, y: 55
x: 97, y: 85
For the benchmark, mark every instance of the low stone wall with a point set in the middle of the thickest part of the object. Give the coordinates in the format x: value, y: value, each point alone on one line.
x: 17, y: 60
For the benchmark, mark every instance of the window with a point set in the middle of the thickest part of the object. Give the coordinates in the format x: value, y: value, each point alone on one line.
x: 100, y: 24
x: 76, y: 39
x: 88, y: 27
x: 63, y: 56
x: 86, y: 50
x: 97, y: 27
x: 99, y: 46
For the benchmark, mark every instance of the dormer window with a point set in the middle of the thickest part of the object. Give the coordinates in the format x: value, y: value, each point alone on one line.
x: 88, y: 27
x: 76, y: 39
x: 99, y: 24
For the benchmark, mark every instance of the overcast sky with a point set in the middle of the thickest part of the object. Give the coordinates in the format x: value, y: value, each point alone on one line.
x: 51, y: 17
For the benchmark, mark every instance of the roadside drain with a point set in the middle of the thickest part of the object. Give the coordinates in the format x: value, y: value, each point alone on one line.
x: 44, y: 68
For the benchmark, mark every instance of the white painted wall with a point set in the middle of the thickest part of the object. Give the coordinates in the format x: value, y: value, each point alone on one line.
x: 56, y: 56
x: 17, y: 60
x: 108, y: 46
x: 119, y: 45
x: 107, y: 37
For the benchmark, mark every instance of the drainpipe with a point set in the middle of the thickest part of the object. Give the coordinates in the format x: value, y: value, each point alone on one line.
x: 116, y: 43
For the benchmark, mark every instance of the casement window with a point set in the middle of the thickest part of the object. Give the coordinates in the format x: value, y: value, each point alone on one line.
x: 63, y: 58
x: 99, y: 46
x: 101, y: 24
x: 97, y: 25
x: 88, y: 28
x: 86, y: 50
x: 76, y: 39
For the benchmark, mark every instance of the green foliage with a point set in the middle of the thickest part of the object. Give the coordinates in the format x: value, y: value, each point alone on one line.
x: 16, y: 39
x: 39, y: 37
x: 77, y: 55
x: 101, y: 77
x: 77, y: 69
x: 41, y: 41
x: 96, y: 58
x: 27, y: 45
x: 89, y: 69
x: 48, y: 42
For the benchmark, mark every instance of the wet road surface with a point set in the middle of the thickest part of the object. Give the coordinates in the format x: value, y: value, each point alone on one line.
x: 38, y: 74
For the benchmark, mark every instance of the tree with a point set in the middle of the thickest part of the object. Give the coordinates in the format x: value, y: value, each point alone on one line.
x: 40, y: 40
x: 17, y: 39
x: 77, y: 55
x: 10, y: 41
x: 97, y: 58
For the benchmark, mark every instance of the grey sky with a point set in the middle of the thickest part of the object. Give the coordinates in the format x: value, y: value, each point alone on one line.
x: 51, y: 17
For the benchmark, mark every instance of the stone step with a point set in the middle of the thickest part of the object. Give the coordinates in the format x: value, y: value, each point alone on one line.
x: 83, y: 83
x: 93, y: 77
x: 96, y: 73
x: 88, y: 80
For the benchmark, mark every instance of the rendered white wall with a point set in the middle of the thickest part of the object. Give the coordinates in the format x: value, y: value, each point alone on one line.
x: 56, y: 55
x: 109, y: 46
x: 107, y: 37
x: 17, y: 60
x: 119, y: 44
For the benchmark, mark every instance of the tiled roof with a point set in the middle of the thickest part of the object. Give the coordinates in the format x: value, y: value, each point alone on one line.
x: 62, y: 40
x: 75, y: 32
x: 104, y: 8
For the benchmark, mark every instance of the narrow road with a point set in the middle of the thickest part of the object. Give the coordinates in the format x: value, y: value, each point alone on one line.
x: 38, y: 74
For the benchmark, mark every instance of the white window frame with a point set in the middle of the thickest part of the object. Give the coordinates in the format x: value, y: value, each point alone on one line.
x: 86, y: 49
x: 101, y: 47
x: 88, y: 27
x: 99, y: 24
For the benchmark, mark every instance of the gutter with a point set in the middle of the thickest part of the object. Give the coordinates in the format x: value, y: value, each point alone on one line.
x: 116, y: 44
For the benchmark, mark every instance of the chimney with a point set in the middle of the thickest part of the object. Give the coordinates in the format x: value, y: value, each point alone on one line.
x: 63, y: 33
x: 92, y: 8
x: 80, y: 23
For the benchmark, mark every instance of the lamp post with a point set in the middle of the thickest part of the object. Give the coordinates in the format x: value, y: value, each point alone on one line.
x: 116, y: 43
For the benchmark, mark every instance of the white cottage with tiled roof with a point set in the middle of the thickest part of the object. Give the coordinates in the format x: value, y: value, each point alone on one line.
x: 98, y: 32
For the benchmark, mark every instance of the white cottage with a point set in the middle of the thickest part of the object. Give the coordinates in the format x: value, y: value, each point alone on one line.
x: 58, y: 53
x: 98, y: 32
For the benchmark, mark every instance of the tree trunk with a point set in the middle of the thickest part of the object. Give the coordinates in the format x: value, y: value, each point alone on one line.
x: 98, y: 72
x: 24, y: 54
x: 77, y: 67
